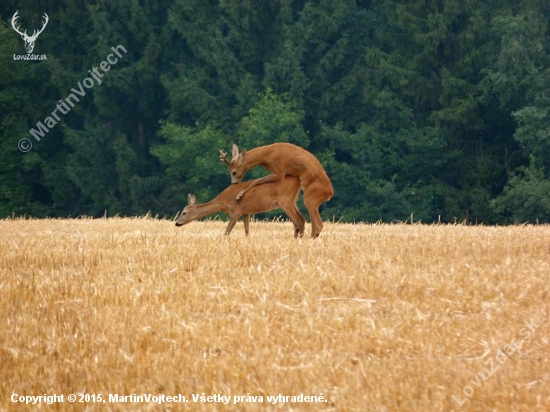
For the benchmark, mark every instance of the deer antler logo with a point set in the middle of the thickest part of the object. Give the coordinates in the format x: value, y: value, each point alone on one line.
x: 29, y: 40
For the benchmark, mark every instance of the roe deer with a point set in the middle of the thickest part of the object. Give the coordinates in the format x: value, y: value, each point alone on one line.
x: 284, y: 159
x: 263, y: 198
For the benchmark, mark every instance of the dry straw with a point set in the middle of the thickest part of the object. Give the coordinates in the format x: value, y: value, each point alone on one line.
x: 373, y: 317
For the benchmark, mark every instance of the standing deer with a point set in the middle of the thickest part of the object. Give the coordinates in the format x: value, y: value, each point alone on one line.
x: 29, y: 40
x: 263, y: 198
x: 284, y: 159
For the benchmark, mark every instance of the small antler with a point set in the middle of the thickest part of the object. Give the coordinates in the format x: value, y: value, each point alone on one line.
x: 223, y: 158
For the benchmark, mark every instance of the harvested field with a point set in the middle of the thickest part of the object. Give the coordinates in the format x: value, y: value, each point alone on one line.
x: 367, y: 318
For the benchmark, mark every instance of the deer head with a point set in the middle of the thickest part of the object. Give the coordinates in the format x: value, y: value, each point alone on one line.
x: 29, y: 40
x: 190, y: 212
x: 235, y: 165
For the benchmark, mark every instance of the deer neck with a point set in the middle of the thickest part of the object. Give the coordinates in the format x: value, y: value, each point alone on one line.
x: 255, y: 157
x: 214, y: 206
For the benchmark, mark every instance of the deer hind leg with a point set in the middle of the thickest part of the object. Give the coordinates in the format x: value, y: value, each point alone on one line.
x: 246, y: 221
x: 295, y: 216
x: 299, y: 223
x: 315, y: 194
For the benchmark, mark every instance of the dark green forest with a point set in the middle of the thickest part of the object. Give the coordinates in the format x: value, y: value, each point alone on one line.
x: 439, y: 110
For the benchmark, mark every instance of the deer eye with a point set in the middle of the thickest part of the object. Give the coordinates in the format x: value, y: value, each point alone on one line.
x: 233, y: 173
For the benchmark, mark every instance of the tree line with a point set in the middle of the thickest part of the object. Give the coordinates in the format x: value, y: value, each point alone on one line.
x: 436, y: 110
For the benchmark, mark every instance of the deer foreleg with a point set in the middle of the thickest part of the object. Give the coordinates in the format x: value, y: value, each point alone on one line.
x: 246, y: 221
x: 266, y: 179
x: 232, y: 220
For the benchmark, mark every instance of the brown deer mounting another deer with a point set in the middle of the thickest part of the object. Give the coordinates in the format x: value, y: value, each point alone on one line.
x: 263, y: 198
x: 284, y: 159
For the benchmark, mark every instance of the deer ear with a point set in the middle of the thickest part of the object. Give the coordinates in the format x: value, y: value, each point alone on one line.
x: 235, y: 151
x: 243, y: 152
x: 192, y: 199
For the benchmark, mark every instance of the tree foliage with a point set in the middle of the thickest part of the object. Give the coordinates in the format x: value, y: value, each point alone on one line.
x: 435, y: 110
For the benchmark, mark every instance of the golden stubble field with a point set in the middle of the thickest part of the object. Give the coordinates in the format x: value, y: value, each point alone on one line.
x: 370, y: 317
